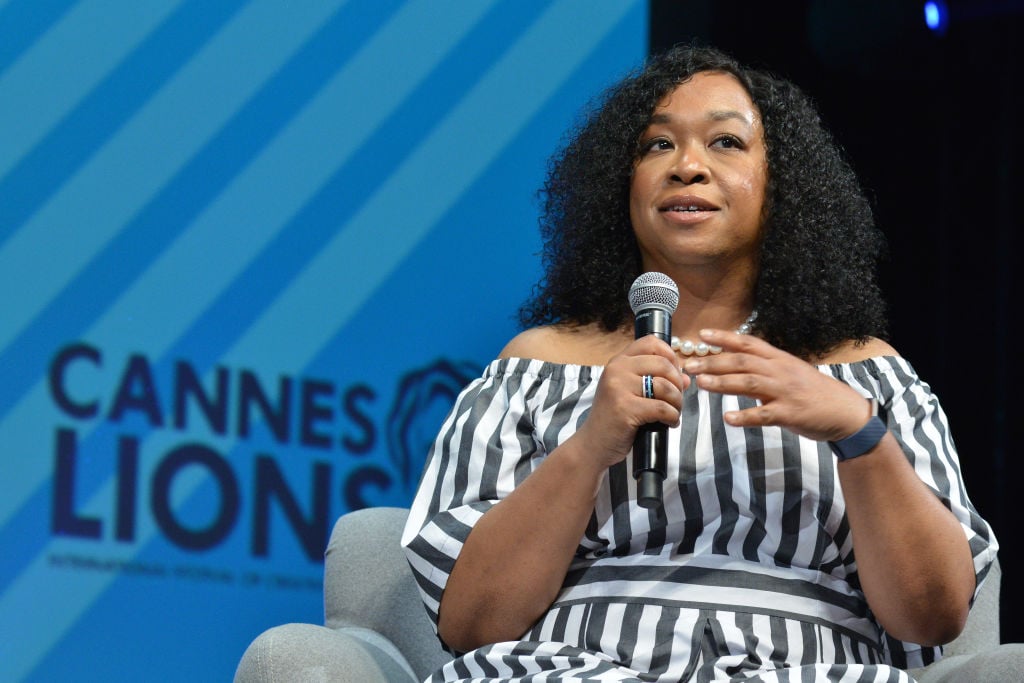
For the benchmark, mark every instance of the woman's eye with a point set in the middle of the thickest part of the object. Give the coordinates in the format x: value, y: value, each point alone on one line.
x: 728, y: 142
x: 657, y: 145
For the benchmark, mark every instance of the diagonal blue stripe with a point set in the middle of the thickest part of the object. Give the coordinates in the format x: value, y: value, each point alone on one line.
x: 191, y: 189
x: 87, y: 622
x: 77, y: 137
x: 589, y: 76
x: 588, y: 79
x: 22, y: 22
x: 345, y: 192
x: 213, y: 333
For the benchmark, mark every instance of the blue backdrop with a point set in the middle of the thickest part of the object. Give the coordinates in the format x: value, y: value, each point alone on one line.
x: 249, y: 250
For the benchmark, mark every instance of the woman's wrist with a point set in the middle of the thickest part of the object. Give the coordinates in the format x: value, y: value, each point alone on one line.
x: 864, y: 439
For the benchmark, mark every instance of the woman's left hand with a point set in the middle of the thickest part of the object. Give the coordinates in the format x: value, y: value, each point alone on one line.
x: 793, y: 393
x: 914, y: 563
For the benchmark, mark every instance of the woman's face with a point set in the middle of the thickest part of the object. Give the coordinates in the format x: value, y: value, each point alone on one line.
x: 698, y: 187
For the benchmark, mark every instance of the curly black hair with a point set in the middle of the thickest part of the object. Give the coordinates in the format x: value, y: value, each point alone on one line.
x: 816, y: 285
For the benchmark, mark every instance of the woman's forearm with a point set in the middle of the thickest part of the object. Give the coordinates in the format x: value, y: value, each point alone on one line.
x: 913, y: 559
x: 515, y: 559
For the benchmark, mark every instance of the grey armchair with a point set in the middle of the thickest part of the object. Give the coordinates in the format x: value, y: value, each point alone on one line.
x: 377, y: 630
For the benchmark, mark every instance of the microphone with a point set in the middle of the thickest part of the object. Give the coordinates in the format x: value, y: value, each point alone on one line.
x: 653, y: 298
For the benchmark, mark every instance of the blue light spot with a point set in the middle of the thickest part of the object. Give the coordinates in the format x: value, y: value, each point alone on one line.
x: 936, y: 16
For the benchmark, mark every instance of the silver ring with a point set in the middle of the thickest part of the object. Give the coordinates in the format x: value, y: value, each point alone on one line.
x: 648, y: 386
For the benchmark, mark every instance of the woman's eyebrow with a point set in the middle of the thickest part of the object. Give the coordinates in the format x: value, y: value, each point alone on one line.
x: 714, y: 115
x: 725, y: 115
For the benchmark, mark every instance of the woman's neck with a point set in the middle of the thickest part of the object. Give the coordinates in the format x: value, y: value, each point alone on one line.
x: 712, y: 296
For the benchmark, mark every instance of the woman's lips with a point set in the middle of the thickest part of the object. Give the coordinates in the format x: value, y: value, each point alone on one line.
x: 687, y: 209
x: 686, y: 203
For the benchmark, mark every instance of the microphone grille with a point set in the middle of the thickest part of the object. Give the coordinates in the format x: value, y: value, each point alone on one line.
x: 653, y: 289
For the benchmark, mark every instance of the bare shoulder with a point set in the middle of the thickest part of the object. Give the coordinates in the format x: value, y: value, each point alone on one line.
x: 529, y: 343
x: 852, y: 351
x: 574, y: 344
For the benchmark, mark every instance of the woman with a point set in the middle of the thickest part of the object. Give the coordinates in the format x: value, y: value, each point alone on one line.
x: 798, y: 535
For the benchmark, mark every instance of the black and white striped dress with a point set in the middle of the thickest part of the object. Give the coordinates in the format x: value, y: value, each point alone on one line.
x: 747, y: 573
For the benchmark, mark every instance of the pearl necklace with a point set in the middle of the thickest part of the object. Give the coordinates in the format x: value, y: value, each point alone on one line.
x: 685, y: 347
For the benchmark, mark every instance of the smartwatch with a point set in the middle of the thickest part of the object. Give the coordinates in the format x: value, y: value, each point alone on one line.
x: 863, y: 440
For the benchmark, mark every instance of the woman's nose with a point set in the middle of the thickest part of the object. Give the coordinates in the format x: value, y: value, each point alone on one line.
x: 690, y: 166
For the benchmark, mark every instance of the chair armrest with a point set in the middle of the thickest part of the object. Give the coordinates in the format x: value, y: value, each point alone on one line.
x: 982, y: 629
x: 294, y: 653
x: 1003, y: 663
x: 368, y: 584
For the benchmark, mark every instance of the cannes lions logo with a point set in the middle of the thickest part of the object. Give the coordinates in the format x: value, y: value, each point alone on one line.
x: 423, y: 400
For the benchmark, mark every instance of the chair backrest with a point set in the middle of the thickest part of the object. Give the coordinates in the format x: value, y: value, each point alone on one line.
x: 368, y: 583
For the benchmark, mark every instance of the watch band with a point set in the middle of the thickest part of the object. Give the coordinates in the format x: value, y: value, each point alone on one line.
x: 863, y: 440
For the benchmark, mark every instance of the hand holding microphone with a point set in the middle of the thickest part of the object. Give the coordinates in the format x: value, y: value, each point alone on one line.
x: 622, y: 419
x: 653, y: 298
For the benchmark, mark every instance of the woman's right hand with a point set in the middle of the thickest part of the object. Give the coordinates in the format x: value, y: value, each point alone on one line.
x: 619, y: 405
x: 513, y: 563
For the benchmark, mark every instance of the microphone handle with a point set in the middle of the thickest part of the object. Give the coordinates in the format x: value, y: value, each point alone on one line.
x: 650, y: 452
x: 654, y: 321
x: 650, y: 446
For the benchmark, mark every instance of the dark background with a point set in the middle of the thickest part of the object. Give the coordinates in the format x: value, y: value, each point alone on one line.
x: 931, y: 124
